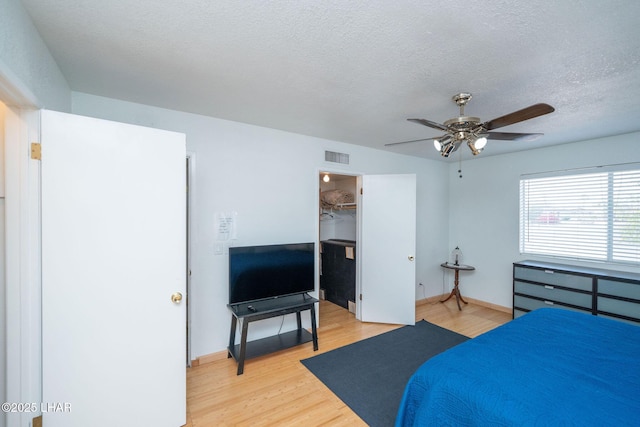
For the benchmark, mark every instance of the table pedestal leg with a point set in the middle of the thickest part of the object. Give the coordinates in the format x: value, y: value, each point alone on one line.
x: 455, y: 291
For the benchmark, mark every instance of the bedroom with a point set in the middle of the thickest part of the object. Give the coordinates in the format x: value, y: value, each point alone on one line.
x: 254, y: 157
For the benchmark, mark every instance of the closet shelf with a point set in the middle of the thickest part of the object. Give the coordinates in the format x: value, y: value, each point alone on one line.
x: 329, y: 210
x: 345, y: 206
x: 337, y: 199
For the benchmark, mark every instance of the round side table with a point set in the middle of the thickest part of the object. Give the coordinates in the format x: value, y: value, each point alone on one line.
x: 456, y: 281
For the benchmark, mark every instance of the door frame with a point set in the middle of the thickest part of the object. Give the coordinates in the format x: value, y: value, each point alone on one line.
x: 23, y: 279
x: 190, y: 205
x: 358, y: 176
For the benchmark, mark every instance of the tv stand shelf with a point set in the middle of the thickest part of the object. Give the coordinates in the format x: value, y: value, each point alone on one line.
x: 265, y: 309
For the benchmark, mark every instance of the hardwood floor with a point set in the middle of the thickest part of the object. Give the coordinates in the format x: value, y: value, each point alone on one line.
x: 277, y: 389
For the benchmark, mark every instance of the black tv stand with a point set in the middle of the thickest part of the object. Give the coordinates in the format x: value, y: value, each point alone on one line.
x: 265, y: 309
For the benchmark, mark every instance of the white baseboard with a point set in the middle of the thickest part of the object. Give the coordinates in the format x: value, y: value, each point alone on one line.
x: 208, y: 358
x: 481, y: 303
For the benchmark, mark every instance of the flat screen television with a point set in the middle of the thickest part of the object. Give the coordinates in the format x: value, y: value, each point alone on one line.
x: 270, y: 271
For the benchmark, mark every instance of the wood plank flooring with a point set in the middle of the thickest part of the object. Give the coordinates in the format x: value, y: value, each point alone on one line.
x: 277, y: 390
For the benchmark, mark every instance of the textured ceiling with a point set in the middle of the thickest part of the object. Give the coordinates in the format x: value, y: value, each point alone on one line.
x: 354, y: 71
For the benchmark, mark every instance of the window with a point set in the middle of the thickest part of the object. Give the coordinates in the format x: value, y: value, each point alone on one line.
x: 588, y: 216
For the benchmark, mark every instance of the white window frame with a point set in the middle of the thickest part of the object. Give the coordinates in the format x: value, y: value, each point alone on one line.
x: 577, y: 214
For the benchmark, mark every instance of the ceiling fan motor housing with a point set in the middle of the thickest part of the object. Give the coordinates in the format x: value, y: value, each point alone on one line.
x: 462, y: 124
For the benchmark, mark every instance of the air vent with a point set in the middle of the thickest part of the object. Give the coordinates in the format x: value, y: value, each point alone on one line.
x: 332, y: 156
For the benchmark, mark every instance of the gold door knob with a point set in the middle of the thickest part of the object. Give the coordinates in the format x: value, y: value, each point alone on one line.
x: 176, y: 297
x: 411, y: 258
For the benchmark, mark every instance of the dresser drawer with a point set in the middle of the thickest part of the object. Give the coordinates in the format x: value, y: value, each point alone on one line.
x: 615, y: 306
x: 620, y: 289
x: 554, y: 278
x: 532, y: 304
x: 551, y: 293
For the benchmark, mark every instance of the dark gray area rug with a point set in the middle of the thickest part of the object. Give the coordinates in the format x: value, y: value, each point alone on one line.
x: 370, y: 375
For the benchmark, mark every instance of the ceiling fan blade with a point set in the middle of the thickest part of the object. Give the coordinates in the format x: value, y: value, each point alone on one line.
x: 519, y: 116
x: 430, y: 124
x: 413, y: 140
x: 506, y: 136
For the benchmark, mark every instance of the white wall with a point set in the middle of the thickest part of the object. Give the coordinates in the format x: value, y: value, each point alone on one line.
x: 270, y: 178
x: 484, y: 208
x: 340, y: 224
x: 27, y: 64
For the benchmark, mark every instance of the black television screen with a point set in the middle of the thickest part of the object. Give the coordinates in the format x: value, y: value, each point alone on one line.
x: 261, y: 272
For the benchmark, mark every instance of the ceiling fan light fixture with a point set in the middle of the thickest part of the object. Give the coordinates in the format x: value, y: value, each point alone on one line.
x: 447, y: 149
x: 476, y: 145
x: 444, y: 145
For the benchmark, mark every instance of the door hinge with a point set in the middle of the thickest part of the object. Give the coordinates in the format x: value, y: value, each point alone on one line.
x: 360, y: 297
x: 36, y: 153
x: 360, y: 190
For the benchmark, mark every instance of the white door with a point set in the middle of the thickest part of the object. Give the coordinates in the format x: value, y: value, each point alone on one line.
x: 113, y: 253
x: 387, y: 249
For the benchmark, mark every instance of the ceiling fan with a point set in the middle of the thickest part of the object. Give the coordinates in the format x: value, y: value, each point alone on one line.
x: 476, y: 133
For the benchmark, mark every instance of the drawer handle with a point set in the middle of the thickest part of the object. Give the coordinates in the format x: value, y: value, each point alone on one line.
x: 549, y: 271
x: 548, y: 287
x: 548, y: 302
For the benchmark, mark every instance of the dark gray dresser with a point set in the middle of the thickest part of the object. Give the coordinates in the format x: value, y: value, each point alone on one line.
x: 606, y: 293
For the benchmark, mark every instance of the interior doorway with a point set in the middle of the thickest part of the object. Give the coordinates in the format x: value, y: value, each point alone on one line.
x: 375, y: 234
x: 338, y: 230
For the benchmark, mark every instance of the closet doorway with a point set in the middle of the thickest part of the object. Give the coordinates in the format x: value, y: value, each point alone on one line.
x: 378, y: 253
x: 338, y: 231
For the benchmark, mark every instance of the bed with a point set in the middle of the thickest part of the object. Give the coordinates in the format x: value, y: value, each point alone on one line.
x: 548, y: 367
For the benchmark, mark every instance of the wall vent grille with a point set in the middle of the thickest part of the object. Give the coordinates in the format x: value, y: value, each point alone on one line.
x: 332, y: 156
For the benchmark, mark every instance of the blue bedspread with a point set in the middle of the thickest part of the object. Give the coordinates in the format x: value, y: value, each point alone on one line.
x: 548, y: 367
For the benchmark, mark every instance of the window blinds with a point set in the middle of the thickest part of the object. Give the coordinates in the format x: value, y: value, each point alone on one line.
x: 588, y: 216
